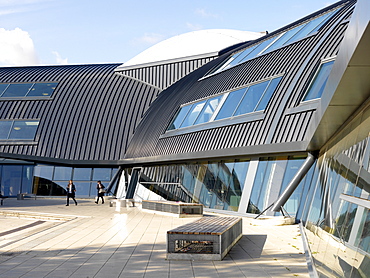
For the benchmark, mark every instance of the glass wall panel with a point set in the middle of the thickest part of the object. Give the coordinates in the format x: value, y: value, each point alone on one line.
x: 27, y: 179
x: 85, y: 188
x: 102, y: 174
x: 11, y: 180
x: 62, y: 173
x: 82, y: 174
x: 284, y: 38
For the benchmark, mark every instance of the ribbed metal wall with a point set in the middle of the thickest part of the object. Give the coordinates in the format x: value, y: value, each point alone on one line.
x: 164, y: 75
x: 91, y: 116
x: 297, y: 62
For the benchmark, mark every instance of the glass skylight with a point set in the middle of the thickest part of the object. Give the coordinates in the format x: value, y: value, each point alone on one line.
x: 21, y: 90
x: 239, y: 102
x: 18, y: 129
x: 275, y: 42
x: 317, y: 86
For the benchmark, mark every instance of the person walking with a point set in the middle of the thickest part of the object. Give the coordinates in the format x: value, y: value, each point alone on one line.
x: 101, y: 190
x: 71, y: 192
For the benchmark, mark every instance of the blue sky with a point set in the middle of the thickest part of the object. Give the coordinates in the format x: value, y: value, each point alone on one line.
x: 34, y: 32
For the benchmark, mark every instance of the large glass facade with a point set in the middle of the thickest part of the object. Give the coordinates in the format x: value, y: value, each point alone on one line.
x: 217, y: 185
x: 336, y: 212
x: 15, y: 179
x: 52, y: 180
x: 47, y: 180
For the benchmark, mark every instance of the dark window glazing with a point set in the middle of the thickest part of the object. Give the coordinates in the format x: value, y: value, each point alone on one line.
x: 24, y: 90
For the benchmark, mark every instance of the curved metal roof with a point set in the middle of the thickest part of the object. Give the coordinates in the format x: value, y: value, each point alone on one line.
x: 285, y: 125
x: 90, y: 117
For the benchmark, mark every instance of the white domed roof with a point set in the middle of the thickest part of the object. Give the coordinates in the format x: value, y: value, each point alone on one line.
x: 191, y: 44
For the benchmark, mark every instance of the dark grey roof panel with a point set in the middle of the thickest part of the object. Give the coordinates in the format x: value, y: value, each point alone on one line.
x: 92, y: 114
x: 164, y: 75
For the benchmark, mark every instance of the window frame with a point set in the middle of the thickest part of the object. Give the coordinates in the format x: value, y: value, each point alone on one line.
x: 25, y: 96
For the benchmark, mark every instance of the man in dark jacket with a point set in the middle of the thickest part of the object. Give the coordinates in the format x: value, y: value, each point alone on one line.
x: 71, y: 189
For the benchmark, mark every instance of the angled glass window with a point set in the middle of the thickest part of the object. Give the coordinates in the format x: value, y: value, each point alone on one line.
x: 275, y: 42
x: 239, y: 102
x: 251, y: 98
x: 193, y: 114
x: 42, y: 89
x: 23, y: 130
x: 5, y: 129
x: 18, y: 129
x: 2, y: 88
x: 179, y: 118
x: 317, y: 86
x: 268, y: 94
x: 231, y: 103
x: 208, y: 110
x: 24, y: 90
x: 17, y: 90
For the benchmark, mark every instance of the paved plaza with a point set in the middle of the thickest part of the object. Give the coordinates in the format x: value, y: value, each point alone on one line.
x: 45, y: 238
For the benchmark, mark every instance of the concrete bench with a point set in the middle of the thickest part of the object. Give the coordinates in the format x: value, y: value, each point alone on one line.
x: 118, y: 203
x: 181, y: 209
x: 209, y: 238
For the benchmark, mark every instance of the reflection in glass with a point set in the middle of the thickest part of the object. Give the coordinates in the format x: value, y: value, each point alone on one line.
x: 102, y: 174
x: 42, y: 90
x: 179, y: 117
x: 62, y: 173
x: 268, y: 94
x: 317, y: 86
x: 230, y: 104
x: 193, y: 114
x: 80, y: 174
x: 17, y: 90
x: 5, y: 127
x: 24, y: 129
x: 251, y: 98
x: 208, y: 110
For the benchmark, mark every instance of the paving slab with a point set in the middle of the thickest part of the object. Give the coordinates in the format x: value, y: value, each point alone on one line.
x: 90, y: 240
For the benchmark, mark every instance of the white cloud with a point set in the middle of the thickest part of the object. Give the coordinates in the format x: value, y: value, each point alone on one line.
x: 204, y: 13
x: 59, y: 59
x: 149, y: 39
x: 194, y: 27
x: 16, y: 48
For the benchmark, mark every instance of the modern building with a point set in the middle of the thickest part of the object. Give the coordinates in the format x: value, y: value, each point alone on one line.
x: 278, y: 123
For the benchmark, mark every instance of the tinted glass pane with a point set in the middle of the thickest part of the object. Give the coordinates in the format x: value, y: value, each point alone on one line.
x: 62, y: 173
x: 258, y: 49
x: 193, y: 114
x: 24, y: 130
x: 45, y: 172
x: 268, y: 94
x: 317, y: 87
x: 2, y: 88
x: 102, y: 174
x: 324, y: 20
x: 251, y: 98
x: 179, y: 117
x: 208, y: 110
x: 308, y: 28
x: 17, y: 90
x: 83, y: 189
x: 11, y: 180
x: 284, y: 38
x: 42, y: 90
x: 229, y: 106
x: 27, y: 177
x: 5, y: 129
x: 80, y: 174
